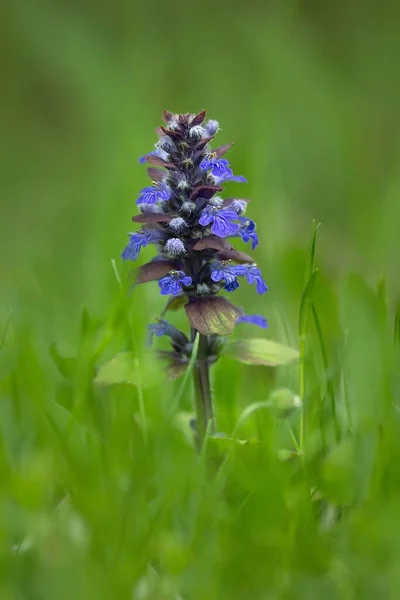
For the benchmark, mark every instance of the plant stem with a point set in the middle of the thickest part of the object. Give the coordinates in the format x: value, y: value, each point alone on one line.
x: 203, y: 401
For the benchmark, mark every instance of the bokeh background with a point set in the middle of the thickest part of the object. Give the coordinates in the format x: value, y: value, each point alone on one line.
x: 309, y: 91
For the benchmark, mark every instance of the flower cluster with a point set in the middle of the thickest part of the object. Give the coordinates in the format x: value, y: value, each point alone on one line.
x: 183, y: 214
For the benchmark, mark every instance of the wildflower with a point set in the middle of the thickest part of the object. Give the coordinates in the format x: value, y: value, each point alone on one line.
x: 220, y: 220
x: 227, y: 177
x: 137, y: 241
x: 247, y: 231
x: 161, y: 328
x: 253, y: 276
x: 224, y: 271
x: 172, y: 283
x: 219, y: 166
x: 253, y: 320
x: 153, y: 194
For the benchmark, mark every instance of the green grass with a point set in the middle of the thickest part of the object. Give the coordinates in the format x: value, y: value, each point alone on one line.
x: 102, y: 493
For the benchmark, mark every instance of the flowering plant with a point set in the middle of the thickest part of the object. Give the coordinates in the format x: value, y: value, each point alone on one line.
x: 184, y: 216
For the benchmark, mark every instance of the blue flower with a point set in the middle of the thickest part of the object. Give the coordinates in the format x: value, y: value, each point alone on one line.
x: 159, y: 329
x: 172, y: 283
x: 253, y: 276
x: 224, y: 271
x: 232, y: 177
x: 219, y: 166
x: 153, y: 194
x: 247, y: 231
x: 253, y: 320
x: 231, y: 286
x: 221, y: 220
x: 137, y: 241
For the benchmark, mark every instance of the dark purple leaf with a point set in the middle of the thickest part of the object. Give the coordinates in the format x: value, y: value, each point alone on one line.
x: 167, y: 116
x: 236, y: 256
x: 212, y: 316
x: 159, y: 162
x: 222, y: 150
x: 212, y: 242
x: 151, y: 218
x: 154, y: 270
x: 198, y: 119
x: 175, y: 135
x: 200, y: 145
x: 155, y: 174
x: 205, y: 191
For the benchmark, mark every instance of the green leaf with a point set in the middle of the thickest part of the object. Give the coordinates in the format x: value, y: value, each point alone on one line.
x: 260, y: 351
x: 65, y: 365
x: 123, y: 368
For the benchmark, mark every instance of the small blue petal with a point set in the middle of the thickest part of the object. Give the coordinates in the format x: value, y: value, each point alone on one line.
x: 172, y: 283
x: 157, y: 329
x: 153, y: 194
x: 253, y: 320
x: 136, y: 242
x: 221, y: 220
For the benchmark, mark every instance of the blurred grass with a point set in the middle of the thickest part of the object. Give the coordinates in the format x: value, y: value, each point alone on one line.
x: 310, y: 93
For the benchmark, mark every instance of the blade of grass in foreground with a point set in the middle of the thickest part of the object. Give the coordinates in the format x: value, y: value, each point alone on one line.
x: 139, y: 384
x: 303, y: 325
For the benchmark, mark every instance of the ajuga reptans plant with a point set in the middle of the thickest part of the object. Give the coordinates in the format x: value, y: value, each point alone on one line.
x: 184, y: 216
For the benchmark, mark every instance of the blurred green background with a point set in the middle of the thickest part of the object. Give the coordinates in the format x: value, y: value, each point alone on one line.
x: 309, y: 92
x: 89, y: 507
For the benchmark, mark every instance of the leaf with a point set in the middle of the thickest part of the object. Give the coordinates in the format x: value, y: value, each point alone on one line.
x: 260, y: 351
x: 174, y: 304
x: 151, y: 218
x: 155, y: 174
x: 175, y: 135
x: 222, y: 150
x: 65, y: 365
x: 212, y: 242
x: 198, y: 119
x: 159, y: 162
x: 167, y: 115
x: 236, y: 256
x: 175, y: 365
x: 123, y: 368
x: 154, y: 270
x: 212, y: 316
x: 200, y: 145
x: 339, y: 481
x: 305, y: 304
x: 205, y: 191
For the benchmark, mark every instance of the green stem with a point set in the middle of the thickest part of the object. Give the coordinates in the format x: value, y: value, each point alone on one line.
x: 203, y: 400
